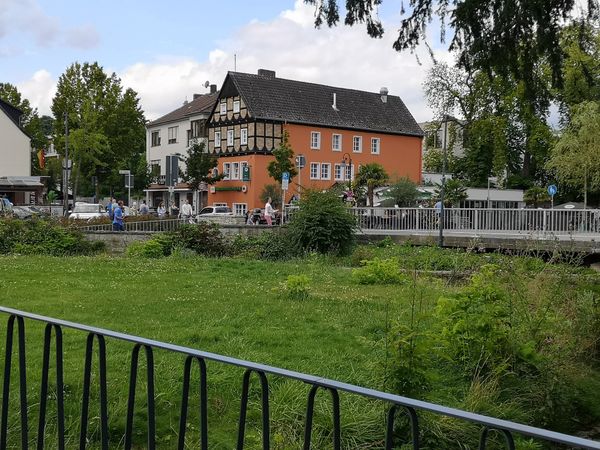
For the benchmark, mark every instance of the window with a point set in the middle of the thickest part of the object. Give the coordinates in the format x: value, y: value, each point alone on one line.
x: 315, y: 140
x: 240, y: 209
x: 336, y: 142
x: 173, y: 135
x: 235, y: 171
x: 357, y: 144
x: 223, y: 109
x: 155, y: 168
x: 229, y: 137
x: 197, y: 127
x: 314, y: 171
x: 155, y: 138
x: 217, y: 139
x: 375, y: 146
x: 227, y: 171
x: 325, y: 171
x: 337, y: 172
x: 349, y: 172
x: 244, y: 136
x: 220, y: 205
x: 236, y: 106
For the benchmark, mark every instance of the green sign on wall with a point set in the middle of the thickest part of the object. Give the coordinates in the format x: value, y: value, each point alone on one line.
x: 246, y: 173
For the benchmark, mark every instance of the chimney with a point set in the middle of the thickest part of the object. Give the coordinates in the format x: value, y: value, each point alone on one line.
x: 384, y: 93
x: 196, y: 96
x: 213, y: 88
x: 334, y: 105
x: 266, y: 73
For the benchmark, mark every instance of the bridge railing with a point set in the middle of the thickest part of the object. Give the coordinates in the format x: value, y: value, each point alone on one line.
x: 55, y: 329
x: 158, y: 225
x: 480, y: 220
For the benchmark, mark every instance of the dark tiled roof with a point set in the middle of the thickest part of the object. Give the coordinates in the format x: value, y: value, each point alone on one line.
x: 203, y: 104
x: 13, y: 114
x: 300, y: 102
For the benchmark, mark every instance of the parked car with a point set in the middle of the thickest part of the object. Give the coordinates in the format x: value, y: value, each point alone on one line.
x: 214, y: 211
x: 88, y: 211
x: 29, y: 212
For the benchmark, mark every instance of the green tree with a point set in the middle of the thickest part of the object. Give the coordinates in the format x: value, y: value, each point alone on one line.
x: 535, y: 196
x: 575, y: 158
x: 371, y: 176
x: 97, y: 104
x: 272, y: 191
x: 455, y: 192
x: 199, y: 167
x: 404, y: 192
x: 284, y: 160
x: 503, y: 37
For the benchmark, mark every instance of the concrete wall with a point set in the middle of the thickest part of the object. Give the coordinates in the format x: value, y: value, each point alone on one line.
x: 15, y: 148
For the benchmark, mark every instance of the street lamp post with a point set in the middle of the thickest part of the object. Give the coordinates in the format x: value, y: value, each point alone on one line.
x: 346, y: 162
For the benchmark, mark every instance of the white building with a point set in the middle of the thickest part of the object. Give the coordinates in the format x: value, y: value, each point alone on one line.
x: 173, y: 134
x: 437, y: 135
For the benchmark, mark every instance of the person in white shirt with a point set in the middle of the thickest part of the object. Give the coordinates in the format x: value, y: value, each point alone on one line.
x: 186, y: 210
x: 269, y: 212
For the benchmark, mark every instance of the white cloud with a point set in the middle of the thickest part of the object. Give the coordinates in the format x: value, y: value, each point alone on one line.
x: 83, y: 37
x: 289, y: 44
x: 39, y: 90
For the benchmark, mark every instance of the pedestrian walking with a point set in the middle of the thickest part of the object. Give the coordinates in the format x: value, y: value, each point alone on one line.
x: 186, y: 210
x: 161, y: 211
x: 144, y: 208
x: 269, y: 212
x: 118, y: 217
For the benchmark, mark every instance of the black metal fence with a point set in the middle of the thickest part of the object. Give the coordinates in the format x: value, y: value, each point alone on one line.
x: 98, y: 336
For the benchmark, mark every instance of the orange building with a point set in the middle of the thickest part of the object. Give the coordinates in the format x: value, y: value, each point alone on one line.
x: 336, y: 131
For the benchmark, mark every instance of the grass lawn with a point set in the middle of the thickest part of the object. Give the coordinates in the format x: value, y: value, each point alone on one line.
x: 227, y: 306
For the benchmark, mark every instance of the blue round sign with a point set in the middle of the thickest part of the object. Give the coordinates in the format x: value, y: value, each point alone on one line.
x: 552, y: 190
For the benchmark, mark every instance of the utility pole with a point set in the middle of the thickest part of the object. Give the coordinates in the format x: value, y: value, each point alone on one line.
x: 66, y: 168
x: 441, y: 238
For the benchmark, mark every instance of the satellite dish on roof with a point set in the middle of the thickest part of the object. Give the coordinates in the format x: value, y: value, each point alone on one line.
x: 206, y: 83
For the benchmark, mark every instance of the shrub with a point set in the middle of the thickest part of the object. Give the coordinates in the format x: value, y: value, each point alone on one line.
x: 43, y: 237
x: 146, y: 249
x: 273, y: 245
x: 296, y: 287
x: 360, y: 255
x: 204, y: 238
x: 322, y: 224
x: 379, y: 271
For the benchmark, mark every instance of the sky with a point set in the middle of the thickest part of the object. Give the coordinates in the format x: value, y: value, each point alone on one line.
x: 166, y: 51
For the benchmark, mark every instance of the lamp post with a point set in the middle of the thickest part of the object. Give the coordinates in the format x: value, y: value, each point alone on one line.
x: 346, y: 162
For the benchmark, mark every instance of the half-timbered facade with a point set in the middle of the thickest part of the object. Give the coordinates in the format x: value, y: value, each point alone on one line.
x: 335, y: 129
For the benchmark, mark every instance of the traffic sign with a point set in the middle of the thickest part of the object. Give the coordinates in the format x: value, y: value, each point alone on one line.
x: 285, y: 180
x: 552, y: 190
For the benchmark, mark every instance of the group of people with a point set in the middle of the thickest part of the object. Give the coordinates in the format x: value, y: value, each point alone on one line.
x: 185, y: 212
x: 116, y: 211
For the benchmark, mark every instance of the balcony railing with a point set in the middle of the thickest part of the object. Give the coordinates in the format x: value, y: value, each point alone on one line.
x: 55, y: 329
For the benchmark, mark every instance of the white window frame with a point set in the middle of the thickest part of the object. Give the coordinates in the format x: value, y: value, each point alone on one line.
x: 337, y: 172
x: 326, y: 175
x: 172, y: 134
x: 318, y: 171
x: 223, y: 108
x: 230, y: 138
x: 244, y: 208
x: 217, y: 139
x: 315, y: 140
x: 244, y: 136
x: 235, y: 171
x: 356, y: 148
x: 227, y: 171
x: 375, y: 146
x: 236, y: 106
x: 339, y: 142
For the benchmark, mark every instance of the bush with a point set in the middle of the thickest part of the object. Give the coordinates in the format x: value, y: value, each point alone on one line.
x: 204, y: 238
x: 361, y: 255
x: 146, y: 249
x: 322, y: 224
x: 274, y: 245
x: 41, y: 237
x: 296, y: 287
x: 379, y: 271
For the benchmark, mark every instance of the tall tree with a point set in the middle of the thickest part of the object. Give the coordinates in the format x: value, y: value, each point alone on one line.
x: 284, y: 160
x: 371, y: 176
x: 505, y: 37
x: 199, y: 168
x: 112, y: 120
x: 576, y: 156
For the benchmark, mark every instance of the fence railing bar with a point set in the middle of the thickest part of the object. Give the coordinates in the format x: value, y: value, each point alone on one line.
x: 22, y: 381
x: 414, y: 426
x: 185, y: 400
x: 60, y: 408
x: 310, y: 407
x: 508, y: 439
x: 264, y: 388
x: 151, y: 424
x: 327, y: 383
x: 85, y: 401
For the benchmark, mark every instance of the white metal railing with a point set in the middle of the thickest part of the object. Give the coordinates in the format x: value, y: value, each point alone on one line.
x: 575, y: 221
x: 141, y: 226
